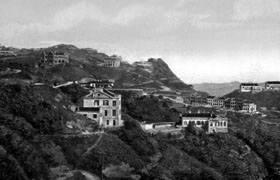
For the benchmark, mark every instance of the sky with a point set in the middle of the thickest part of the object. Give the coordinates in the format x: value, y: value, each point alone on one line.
x: 201, y: 40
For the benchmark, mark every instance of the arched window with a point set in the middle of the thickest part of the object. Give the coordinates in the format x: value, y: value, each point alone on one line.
x: 225, y: 123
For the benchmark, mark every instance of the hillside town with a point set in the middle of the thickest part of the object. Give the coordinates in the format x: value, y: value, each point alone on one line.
x: 100, y: 110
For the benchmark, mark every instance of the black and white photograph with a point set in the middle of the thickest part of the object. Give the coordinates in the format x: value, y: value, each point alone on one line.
x: 139, y: 89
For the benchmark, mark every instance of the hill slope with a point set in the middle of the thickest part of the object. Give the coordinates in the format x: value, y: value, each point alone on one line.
x: 267, y: 99
x: 217, y: 89
x: 84, y: 64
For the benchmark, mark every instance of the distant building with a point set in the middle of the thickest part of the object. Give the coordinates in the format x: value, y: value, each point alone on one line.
x: 55, y: 58
x: 102, y: 106
x: 234, y: 103
x: 99, y: 83
x: 272, y: 85
x: 198, y: 100
x: 112, y: 61
x: 215, y: 101
x: 249, y: 107
x: 198, y: 119
x: 250, y: 87
x: 238, y: 104
x: 218, y: 125
x: 214, y: 123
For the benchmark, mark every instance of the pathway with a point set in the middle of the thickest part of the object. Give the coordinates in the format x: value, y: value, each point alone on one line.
x: 93, y: 146
x: 65, y: 84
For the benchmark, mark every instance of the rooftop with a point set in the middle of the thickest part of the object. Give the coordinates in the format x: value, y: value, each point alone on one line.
x: 249, y: 84
x: 273, y: 82
x: 205, y: 115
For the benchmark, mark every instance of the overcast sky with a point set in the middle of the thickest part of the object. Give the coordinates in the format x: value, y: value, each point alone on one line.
x: 201, y: 40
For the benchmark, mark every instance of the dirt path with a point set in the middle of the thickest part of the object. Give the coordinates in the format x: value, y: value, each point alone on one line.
x: 93, y: 146
x: 90, y: 149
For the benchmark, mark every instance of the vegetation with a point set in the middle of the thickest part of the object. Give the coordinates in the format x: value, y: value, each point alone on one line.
x: 23, y: 117
x: 149, y: 109
x: 34, y: 143
x: 75, y: 92
x: 261, y: 137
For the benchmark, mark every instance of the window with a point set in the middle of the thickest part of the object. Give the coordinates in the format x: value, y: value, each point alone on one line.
x: 108, y: 122
x: 106, y: 112
x: 105, y: 103
x: 96, y: 102
x: 85, y: 115
x: 94, y: 116
x: 225, y: 123
x: 114, y: 112
x: 114, y: 122
x: 114, y: 103
x: 211, y: 124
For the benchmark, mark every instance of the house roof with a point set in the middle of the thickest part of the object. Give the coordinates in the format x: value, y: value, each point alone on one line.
x: 249, y: 84
x: 101, y: 94
x: 273, y: 82
x: 89, y: 109
x: 205, y: 115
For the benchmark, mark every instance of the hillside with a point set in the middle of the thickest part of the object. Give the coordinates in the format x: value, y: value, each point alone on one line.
x: 41, y: 138
x: 36, y: 143
x: 84, y: 63
x: 268, y: 99
x: 217, y: 89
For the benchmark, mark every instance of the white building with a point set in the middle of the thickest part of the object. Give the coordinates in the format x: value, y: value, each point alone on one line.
x: 197, y: 119
x: 272, y: 85
x: 249, y: 107
x: 104, y: 107
x: 250, y: 87
x: 218, y: 125
x: 112, y: 61
x: 215, y: 123
x: 215, y: 101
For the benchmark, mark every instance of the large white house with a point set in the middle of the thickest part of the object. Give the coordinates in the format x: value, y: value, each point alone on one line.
x: 249, y: 107
x: 102, y: 106
x: 250, y: 87
x: 215, y: 123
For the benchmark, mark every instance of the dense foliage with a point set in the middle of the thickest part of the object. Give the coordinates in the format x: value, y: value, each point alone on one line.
x: 261, y: 137
x: 149, y: 109
x: 24, y: 117
x: 75, y: 92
